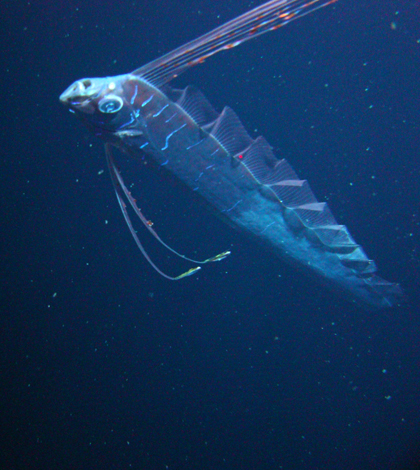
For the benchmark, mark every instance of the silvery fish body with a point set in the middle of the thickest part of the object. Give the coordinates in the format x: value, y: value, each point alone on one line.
x: 215, y: 156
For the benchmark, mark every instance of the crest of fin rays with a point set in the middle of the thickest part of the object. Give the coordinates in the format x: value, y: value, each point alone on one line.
x: 276, y: 178
x: 194, y: 103
x: 267, y: 17
x: 120, y: 191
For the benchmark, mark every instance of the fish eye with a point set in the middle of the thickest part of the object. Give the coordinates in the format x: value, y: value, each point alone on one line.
x: 110, y: 104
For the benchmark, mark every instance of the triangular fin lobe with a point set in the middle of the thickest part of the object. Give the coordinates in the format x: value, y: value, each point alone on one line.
x: 194, y: 103
x: 390, y: 292
x: 358, y: 261
x: 336, y: 236
x: 260, y: 161
x: 362, y: 266
x: 275, y: 174
x: 315, y: 214
x: 293, y: 193
x: 228, y: 130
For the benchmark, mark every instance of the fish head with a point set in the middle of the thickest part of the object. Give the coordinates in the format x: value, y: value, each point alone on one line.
x: 100, y: 103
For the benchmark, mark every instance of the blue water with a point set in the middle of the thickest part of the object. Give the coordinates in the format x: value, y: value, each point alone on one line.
x: 248, y: 365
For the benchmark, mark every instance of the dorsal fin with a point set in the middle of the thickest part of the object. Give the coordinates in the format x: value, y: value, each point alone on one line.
x: 194, y: 103
x: 315, y: 214
x: 293, y: 193
x: 335, y: 236
x: 359, y: 262
x: 260, y: 161
x: 301, y: 210
x: 276, y: 174
x: 229, y: 132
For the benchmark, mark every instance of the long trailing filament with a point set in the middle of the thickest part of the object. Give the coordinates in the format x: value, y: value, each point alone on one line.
x: 267, y: 17
x: 120, y: 191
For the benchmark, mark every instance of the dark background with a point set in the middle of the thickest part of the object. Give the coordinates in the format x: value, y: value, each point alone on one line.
x: 249, y: 364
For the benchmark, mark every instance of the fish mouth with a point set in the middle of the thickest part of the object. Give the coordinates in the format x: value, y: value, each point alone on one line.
x: 78, y: 92
x: 79, y: 95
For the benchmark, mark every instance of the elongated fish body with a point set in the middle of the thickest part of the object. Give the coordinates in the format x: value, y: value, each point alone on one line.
x: 214, y: 155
